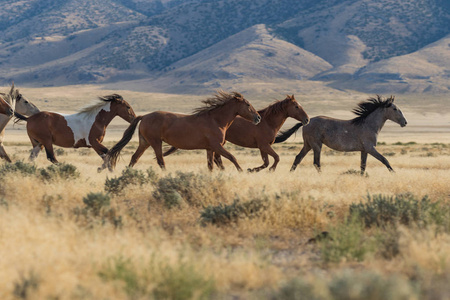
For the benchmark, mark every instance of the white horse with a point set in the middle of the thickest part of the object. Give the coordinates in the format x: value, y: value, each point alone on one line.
x: 19, y: 104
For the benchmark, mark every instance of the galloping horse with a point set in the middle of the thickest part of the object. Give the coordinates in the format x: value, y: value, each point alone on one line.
x: 205, y: 129
x: 262, y: 135
x: 5, y: 108
x: 19, y: 104
x: 84, y: 129
x: 358, y: 134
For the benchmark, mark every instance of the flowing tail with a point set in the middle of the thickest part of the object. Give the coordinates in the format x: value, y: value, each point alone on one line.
x: 114, y: 152
x: 284, y: 135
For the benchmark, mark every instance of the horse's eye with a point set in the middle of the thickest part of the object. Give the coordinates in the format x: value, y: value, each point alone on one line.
x: 26, y: 102
x: 395, y: 108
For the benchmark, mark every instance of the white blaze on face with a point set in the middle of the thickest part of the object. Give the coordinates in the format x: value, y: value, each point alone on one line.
x: 81, y: 123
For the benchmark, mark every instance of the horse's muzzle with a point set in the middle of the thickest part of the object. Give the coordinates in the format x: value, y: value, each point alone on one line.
x: 257, y: 120
x: 10, y: 111
x: 305, y: 121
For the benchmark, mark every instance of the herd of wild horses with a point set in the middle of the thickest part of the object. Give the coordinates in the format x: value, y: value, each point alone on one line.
x: 224, y: 117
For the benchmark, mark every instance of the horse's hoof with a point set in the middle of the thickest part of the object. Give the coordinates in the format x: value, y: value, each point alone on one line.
x: 250, y: 170
x: 99, y: 170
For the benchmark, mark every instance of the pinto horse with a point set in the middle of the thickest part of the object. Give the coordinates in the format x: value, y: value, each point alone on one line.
x: 83, y: 129
x: 205, y: 129
x: 20, y: 105
x: 244, y: 133
x: 358, y: 134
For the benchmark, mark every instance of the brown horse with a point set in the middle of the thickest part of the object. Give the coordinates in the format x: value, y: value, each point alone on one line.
x: 84, y: 129
x: 5, y: 108
x: 358, y: 134
x: 205, y: 129
x: 262, y: 135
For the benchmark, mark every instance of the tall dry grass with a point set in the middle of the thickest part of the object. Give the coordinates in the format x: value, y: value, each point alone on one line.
x: 153, y: 240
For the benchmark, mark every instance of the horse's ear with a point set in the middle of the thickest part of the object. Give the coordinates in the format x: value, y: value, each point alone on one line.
x: 12, y: 88
x: 390, y: 101
x: 293, y: 98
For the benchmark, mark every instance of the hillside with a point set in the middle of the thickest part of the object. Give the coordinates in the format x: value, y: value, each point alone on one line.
x: 338, y: 41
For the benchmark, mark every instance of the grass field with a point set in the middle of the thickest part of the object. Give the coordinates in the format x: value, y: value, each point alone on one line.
x: 67, y: 232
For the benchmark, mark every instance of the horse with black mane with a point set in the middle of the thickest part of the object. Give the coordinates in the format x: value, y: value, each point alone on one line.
x: 358, y: 134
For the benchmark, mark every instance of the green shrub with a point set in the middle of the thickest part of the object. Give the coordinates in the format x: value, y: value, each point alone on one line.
x: 224, y: 214
x: 59, y: 171
x: 347, y: 241
x: 18, y: 167
x: 96, y: 202
x: 128, y: 177
x: 123, y: 270
x: 159, y: 281
x: 351, y: 285
x: 97, y: 210
x: 182, y: 281
x: 380, y: 210
x: 187, y: 188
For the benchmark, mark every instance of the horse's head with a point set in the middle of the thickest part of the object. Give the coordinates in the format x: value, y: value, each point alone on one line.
x: 245, y: 109
x: 5, y: 108
x: 122, y: 108
x: 394, y: 113
x: 22, y: 105
x: 295, y: 110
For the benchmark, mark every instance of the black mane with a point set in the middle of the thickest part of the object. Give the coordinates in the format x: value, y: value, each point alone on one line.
x: 111, y: 97
x: 364, y: 109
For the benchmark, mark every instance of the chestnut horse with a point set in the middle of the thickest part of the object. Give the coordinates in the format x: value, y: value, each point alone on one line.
x: 205, y: 129
x: 5, y: 108
x: 262, y: 135
x: 84, y: 129
x: 20, y: 105
x: 358, y: 134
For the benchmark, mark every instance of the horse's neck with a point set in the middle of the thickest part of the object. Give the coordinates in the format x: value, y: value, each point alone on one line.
x: 375, y: 121
x: 275, y: 120
x: 224, y: 116
x: 104, y: 117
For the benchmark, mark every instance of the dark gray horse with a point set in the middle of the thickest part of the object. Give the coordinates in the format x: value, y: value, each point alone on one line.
x: 358, y: 134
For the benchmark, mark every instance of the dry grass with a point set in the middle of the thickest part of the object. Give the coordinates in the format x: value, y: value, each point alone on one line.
x: 51, y: 251
x: 154, y: 241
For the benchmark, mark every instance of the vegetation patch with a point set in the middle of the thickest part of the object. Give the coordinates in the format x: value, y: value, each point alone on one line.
x: 405, y: 209
x: 97, y: 210
x: 188, y: 188
x: 129, y: 177
x: 59, y: 171
x: 224, y: 214
x: 158, y: 280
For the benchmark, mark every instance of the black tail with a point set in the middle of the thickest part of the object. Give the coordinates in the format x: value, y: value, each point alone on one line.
x: 19, y: 117
x: 284, y: 135
x: 114, y: 152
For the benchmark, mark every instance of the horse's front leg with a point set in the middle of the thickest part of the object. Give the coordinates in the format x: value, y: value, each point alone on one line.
x: 220, y: 150
x: 265, y: 158
x: 363, y: 162
x: 101, y: 151
x: 3, y: 153
x: 218, y: 161
x: 380, y: 157
x: 210, y: 158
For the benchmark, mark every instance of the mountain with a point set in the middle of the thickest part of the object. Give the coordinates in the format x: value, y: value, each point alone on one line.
x: 364, y: 45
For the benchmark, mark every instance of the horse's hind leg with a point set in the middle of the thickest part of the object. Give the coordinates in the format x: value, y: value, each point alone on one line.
x: 298, y: 159
x: 143, y: 145
x: 37, y: 147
